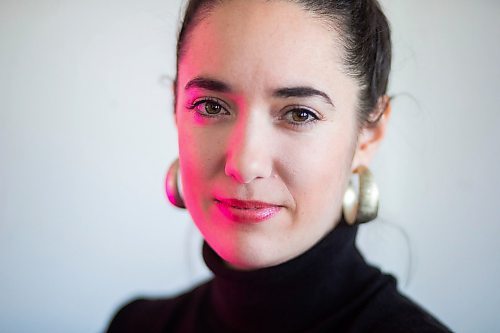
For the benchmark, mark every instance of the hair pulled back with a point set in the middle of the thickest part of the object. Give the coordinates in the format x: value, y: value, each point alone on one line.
x: 364, y: 31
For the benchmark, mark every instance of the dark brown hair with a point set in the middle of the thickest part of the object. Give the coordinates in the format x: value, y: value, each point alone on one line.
x: 365, y: 33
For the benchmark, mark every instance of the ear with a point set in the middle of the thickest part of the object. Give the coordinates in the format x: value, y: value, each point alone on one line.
x: 174, y: 99
x: 371, y: 136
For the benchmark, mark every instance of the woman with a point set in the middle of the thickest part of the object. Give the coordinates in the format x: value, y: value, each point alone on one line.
x: 277, y: 104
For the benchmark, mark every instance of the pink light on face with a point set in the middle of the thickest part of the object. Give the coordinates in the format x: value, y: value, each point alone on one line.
x: 261, y: 185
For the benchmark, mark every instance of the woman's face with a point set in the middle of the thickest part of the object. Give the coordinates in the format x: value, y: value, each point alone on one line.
x: 267, y: 130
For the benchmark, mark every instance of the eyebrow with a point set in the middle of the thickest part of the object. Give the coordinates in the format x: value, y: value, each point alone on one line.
x: 286, y: 92
x: 208, y: 84
x: 302, y: 92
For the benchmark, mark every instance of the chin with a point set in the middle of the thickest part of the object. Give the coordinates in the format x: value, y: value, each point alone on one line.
x: 245, y: 246
x: 250, y: 254
x: 249, y: 262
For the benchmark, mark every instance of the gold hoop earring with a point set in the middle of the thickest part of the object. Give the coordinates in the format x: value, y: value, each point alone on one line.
x: 172, y: 186
x: 361, y: 207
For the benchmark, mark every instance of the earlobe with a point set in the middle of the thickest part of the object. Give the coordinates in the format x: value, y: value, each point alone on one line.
x: 372, y: 134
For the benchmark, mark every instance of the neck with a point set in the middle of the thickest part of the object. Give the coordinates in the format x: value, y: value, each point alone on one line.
x: 275, y: 298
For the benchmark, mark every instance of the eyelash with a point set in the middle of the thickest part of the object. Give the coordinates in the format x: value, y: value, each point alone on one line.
x: 197, y: 103
x: 312, y: 116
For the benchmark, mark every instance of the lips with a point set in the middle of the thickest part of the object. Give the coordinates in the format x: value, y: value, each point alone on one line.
x: 247, y: 211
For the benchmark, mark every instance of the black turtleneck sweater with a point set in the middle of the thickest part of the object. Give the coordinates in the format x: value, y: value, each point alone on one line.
x: 329, y: 288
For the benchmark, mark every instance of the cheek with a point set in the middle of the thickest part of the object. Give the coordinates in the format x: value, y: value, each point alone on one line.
x: 321, y: 171
x: 326, y: 175
x: 192, y: 158
x: 200, y: 155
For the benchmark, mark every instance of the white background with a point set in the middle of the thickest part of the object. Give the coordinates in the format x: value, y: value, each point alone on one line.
x: 86, y: 135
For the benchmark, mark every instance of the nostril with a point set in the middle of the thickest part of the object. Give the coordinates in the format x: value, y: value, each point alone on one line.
x: 232, y: 172
x: 249, y: 155
x: 246, y: 170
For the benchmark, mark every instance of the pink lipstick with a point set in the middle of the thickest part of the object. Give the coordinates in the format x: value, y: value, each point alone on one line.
x: 247, y: 211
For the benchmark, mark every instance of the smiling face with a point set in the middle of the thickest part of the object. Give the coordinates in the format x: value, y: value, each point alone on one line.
x: 267, y: 130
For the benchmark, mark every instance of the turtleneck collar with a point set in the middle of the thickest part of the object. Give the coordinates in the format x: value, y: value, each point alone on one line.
x: 291, y: 296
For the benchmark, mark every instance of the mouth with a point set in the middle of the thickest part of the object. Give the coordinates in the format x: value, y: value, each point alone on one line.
x: 247, y: 211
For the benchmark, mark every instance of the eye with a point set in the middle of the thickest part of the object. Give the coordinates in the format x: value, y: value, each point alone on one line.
x: 212, y: 108
x: 209, y: 107
x: 300, y: 116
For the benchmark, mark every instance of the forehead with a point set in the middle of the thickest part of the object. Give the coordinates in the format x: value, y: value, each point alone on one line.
x: 263, y: 43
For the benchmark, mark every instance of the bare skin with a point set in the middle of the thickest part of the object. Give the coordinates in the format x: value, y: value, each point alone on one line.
x: 266, y: 113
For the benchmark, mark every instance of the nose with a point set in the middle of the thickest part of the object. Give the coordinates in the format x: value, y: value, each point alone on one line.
x: 249, y: 153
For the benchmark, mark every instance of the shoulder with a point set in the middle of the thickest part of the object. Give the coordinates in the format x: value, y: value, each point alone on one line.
x: 142, y: 315
x: 390, y: 311
x: 146, y: 315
